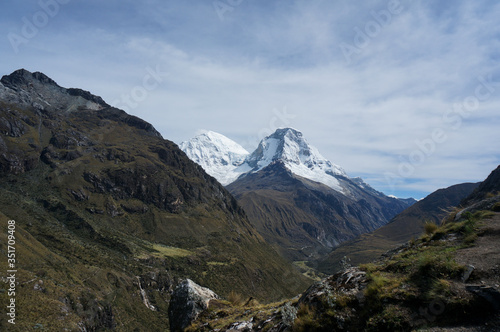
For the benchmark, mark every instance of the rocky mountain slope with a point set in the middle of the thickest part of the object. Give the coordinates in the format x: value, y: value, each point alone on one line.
x: 486, y: 189
x: 448, y: 279
x: 305, y: 219
x: 402, y: 228
x: 109, y: 216
x: 299, y: 201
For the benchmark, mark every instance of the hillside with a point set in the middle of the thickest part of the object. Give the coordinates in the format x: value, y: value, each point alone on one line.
x: 448, y: 279
x: 402, y: 228
x: 109, y: 216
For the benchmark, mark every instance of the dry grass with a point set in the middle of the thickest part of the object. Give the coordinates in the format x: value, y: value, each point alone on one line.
x: 160, y: 251
x: 236, y: 299
x: 430, y: 227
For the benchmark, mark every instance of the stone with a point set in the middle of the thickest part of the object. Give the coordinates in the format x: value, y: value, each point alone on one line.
x: 490, y: 294
x: 188, y: 301
x: 467, y: 273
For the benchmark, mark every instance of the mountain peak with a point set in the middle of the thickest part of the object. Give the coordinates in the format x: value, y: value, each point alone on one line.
x: 218, y: 155
x: 226, y: 160
x: 290, y: 132
x: 39, y: 90
x: 221, y: 140
x: 23, y: 77
x: 289, y: 146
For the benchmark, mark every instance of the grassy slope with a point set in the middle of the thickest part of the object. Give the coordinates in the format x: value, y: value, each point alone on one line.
x: 405, y: 226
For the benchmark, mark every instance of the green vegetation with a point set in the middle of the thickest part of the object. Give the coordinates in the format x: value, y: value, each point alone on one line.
x: 308, y: 271
x: 306, y: 319
x: 235, y: 299
x: 162, y: 251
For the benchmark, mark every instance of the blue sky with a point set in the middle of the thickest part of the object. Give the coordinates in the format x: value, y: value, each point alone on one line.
x: 404, y: 94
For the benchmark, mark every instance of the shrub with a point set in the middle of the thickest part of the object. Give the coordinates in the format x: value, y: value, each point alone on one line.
x: 235, y: 299
x: 306, y: 319
x: 374, y: 288
x: 437, y: 266
x: 439, y: 289
x: 430, y: 227
x: 392, y: 318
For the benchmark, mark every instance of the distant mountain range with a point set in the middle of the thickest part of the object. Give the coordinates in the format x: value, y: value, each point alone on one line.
x: 298, y: 200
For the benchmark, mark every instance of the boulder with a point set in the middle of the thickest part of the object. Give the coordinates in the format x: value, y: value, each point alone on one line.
x: 188, y: 301
x: 351, y: 281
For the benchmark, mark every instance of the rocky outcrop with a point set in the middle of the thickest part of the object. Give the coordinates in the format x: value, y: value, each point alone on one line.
x: 188, y: 301
x: 350, y: 282
x: 487, y: 188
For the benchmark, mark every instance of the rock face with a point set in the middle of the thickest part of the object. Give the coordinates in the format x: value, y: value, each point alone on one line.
x: 188, y: 301
x: 489, y: 187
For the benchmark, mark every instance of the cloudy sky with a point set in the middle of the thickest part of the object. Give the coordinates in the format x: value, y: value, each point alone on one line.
x: 404, y: 94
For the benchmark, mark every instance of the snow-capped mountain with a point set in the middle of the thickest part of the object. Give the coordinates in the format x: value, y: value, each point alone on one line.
x: 226, y: 160
x: 297, y: 199
x: 218, y: 155
x: 290, y: 147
